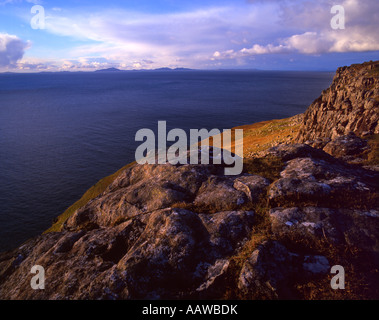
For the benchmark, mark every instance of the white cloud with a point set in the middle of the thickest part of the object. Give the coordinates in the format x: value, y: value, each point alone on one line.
x: 204, y: 37
x: 4, y: 2
x: 12, y: 49
x: 184, y: 39
x: 316, y: 36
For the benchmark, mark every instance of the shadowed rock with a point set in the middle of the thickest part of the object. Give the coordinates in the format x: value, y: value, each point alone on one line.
x: 190, y: 231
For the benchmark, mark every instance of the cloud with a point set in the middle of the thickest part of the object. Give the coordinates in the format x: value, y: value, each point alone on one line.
x: 12, y: 49
x: 4, y: 2
x: 314, y: 34
x: 206, y: 37
x: 166, y: 39
x: 79, y: 64
x: 87, y: 63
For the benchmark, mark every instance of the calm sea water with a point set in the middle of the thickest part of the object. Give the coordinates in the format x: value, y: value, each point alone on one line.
x: 60, y: 133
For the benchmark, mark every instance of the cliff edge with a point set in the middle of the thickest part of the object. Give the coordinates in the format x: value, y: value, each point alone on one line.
x: 191, y: 232
x: 350, y: 104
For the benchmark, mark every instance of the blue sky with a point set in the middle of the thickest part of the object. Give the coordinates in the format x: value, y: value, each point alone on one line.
x: 242, y: 34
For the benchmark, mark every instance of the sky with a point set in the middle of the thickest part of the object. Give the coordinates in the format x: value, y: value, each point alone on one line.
x: 72, y: 35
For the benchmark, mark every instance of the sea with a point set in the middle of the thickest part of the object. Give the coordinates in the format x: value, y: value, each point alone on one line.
x: 62, y: 132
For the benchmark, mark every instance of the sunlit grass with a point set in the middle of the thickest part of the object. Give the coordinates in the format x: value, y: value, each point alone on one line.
x: 263, y: 135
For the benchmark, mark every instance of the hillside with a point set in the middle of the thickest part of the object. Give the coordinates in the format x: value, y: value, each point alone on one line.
x: 306, y: 200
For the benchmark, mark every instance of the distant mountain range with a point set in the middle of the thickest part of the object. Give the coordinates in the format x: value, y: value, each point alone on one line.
x: 111, y: 70
x: 159, y: 69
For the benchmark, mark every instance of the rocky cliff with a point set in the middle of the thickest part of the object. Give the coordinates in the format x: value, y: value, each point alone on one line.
x: 189, y: 231
x: 350, y: 104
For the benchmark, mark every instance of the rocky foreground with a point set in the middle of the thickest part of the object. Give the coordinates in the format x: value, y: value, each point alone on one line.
x: 190, y: 232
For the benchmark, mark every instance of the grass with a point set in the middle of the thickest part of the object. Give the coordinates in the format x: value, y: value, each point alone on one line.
x: 257, y: 137
x: 263, y: 135
x: 361, y: 272
x: 90, y: 194
x: 260, y: 136
x: 260, y: 232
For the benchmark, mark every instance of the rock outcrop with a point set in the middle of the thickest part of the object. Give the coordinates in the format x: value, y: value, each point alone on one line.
x: 350, y: 104
x: 163, y: 231
x: 191, y: 232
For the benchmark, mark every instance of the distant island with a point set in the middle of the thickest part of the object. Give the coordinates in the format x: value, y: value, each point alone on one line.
x: 109, y: 70
x: 304, y: 210
x: 158, y: 69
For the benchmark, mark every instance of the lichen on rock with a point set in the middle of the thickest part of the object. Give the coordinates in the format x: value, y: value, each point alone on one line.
x: 190, y: 231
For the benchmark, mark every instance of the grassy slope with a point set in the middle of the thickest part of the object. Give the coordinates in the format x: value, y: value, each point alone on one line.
x: 257, y: 137
x: 260, y: 136
x: 263, y: 135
